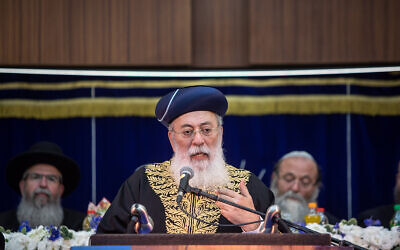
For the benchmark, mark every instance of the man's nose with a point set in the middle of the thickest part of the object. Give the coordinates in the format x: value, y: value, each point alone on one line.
x: 197, y: 138
x: 43, y: 181
x: 295, y: 186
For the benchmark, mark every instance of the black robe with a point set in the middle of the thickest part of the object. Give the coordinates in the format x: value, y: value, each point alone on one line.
x: 154, y: 187
x: 382, y: 213
x: 72, y: 219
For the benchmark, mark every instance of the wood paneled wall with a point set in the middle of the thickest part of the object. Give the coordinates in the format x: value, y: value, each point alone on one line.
x: 328, y: 31
x: 198, y: 33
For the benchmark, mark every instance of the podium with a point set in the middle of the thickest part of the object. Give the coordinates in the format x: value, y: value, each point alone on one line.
x: 228, y: 241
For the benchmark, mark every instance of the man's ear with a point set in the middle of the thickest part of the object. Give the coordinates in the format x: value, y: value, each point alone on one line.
x: 273, y: 176
x: 21, y: 186
x: 171, y: 140
x: 61, y: 189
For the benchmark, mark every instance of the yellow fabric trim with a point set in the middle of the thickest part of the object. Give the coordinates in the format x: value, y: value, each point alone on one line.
x: 225, y: 82
x: 313, y: 104
x: 79, y: 107
x: 238, y: 105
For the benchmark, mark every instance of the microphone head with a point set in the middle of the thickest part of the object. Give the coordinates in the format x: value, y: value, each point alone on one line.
x: 137, y: 208
x: 274, y: 210
x: 186, y: 170
x: 271, y: 219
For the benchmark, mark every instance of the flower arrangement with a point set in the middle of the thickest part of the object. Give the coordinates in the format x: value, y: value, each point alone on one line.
x: 45, y: 237
x: 95, y: 214
x: 50, y: 237
x: 373, y: 236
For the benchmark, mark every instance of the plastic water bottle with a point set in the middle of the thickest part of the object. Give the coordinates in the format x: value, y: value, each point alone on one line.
x: 312, y: 216
x: 395, y: 221
x: 324, y: 219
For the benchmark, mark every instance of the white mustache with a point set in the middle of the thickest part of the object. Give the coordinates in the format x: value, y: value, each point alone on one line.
x: 198, y: 150
x: 42, y: 190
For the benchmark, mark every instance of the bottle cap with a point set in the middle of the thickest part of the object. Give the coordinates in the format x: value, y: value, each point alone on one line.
x: 396, y: 207
x: 320, y: 209
x: 312, y: 205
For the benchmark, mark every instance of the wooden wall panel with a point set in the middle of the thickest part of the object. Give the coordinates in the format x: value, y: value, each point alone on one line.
x: 77, y: 29
x: 53, y: 32
x: 10, y: 25
x: 160, y: 32
x: 29, y: 44
x: 392, y: 28
x: 323, y: 31
x: 220, y: 33
x: 97, y: 31
x: 119, y: 32
x: 198, y: 33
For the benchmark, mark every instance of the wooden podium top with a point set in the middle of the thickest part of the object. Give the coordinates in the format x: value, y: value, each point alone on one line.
x: 211, y: 239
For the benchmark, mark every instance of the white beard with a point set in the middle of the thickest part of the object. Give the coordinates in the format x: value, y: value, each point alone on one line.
x: 293, y: 206
x: 209, y: 174
x: 37, y: 212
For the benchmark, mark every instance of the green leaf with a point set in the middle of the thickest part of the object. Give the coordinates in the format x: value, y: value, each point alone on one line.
x: 329, y: 228
x: 65, y: 233
x: 352, y: 221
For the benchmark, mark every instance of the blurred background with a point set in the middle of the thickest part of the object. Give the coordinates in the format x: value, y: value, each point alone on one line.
x: 315, y: 75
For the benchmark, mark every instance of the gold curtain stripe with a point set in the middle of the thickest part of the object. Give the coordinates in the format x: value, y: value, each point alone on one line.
x: 238, y: 105
x: 79, y: 107
x: 313, y: 104
x: 225, y: 82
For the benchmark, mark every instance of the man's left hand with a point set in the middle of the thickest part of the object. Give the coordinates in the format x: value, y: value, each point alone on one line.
x: 236, y: 215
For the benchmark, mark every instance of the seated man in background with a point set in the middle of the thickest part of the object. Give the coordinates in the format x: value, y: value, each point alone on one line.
x: 193, y: 116
x: 295, y: 182
x: 382, y: 213
x: 42, y: 176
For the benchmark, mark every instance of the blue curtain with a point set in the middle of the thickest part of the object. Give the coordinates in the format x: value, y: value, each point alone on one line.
x: 368, y: 138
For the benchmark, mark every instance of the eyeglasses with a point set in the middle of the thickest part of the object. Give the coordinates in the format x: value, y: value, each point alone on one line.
x: 190, y: 132
x: 290, y: 179
x: 51, y: 178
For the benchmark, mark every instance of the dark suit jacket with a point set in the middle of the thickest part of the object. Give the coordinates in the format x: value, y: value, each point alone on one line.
x: 383, y: 213
x: 72, y: 219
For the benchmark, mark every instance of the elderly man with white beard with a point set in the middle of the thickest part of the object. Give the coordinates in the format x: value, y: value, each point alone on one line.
x: 42, y: 175
x: 193, y: 116
x: 295, y: 182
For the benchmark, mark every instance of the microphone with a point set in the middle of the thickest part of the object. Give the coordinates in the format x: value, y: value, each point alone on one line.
x: 273, y: 218
x: 142, y: 221
x: 269, y: 220
x: 186, y: 174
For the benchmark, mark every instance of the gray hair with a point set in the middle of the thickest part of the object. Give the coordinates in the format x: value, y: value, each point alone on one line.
x: 303, y: 154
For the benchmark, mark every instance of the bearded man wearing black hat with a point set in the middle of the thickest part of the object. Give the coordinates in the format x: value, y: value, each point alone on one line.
x: 193, y: 116
x: 42, y: 176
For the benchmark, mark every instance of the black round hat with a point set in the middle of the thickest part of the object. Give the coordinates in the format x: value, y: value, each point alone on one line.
x: 44, y: 152
x: 188, y: 99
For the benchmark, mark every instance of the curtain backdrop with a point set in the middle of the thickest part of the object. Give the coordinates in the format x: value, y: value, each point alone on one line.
x: 349, y: 123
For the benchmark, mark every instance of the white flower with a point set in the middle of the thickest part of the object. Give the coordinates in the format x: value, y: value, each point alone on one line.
x: 38, y: 238
x: 372, y: 237
x: 317, y: 227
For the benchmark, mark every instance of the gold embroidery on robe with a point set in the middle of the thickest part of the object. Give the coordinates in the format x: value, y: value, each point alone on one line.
x: 203, y: 208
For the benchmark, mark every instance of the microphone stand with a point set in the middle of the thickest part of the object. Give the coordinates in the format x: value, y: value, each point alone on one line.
x: 198, y: 191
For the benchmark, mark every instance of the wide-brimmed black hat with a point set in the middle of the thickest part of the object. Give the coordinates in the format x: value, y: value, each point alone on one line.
x: 188, y: 99
x: 44, y: 152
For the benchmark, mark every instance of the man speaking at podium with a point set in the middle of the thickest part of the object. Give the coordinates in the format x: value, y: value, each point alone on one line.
x: 193, y: 116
